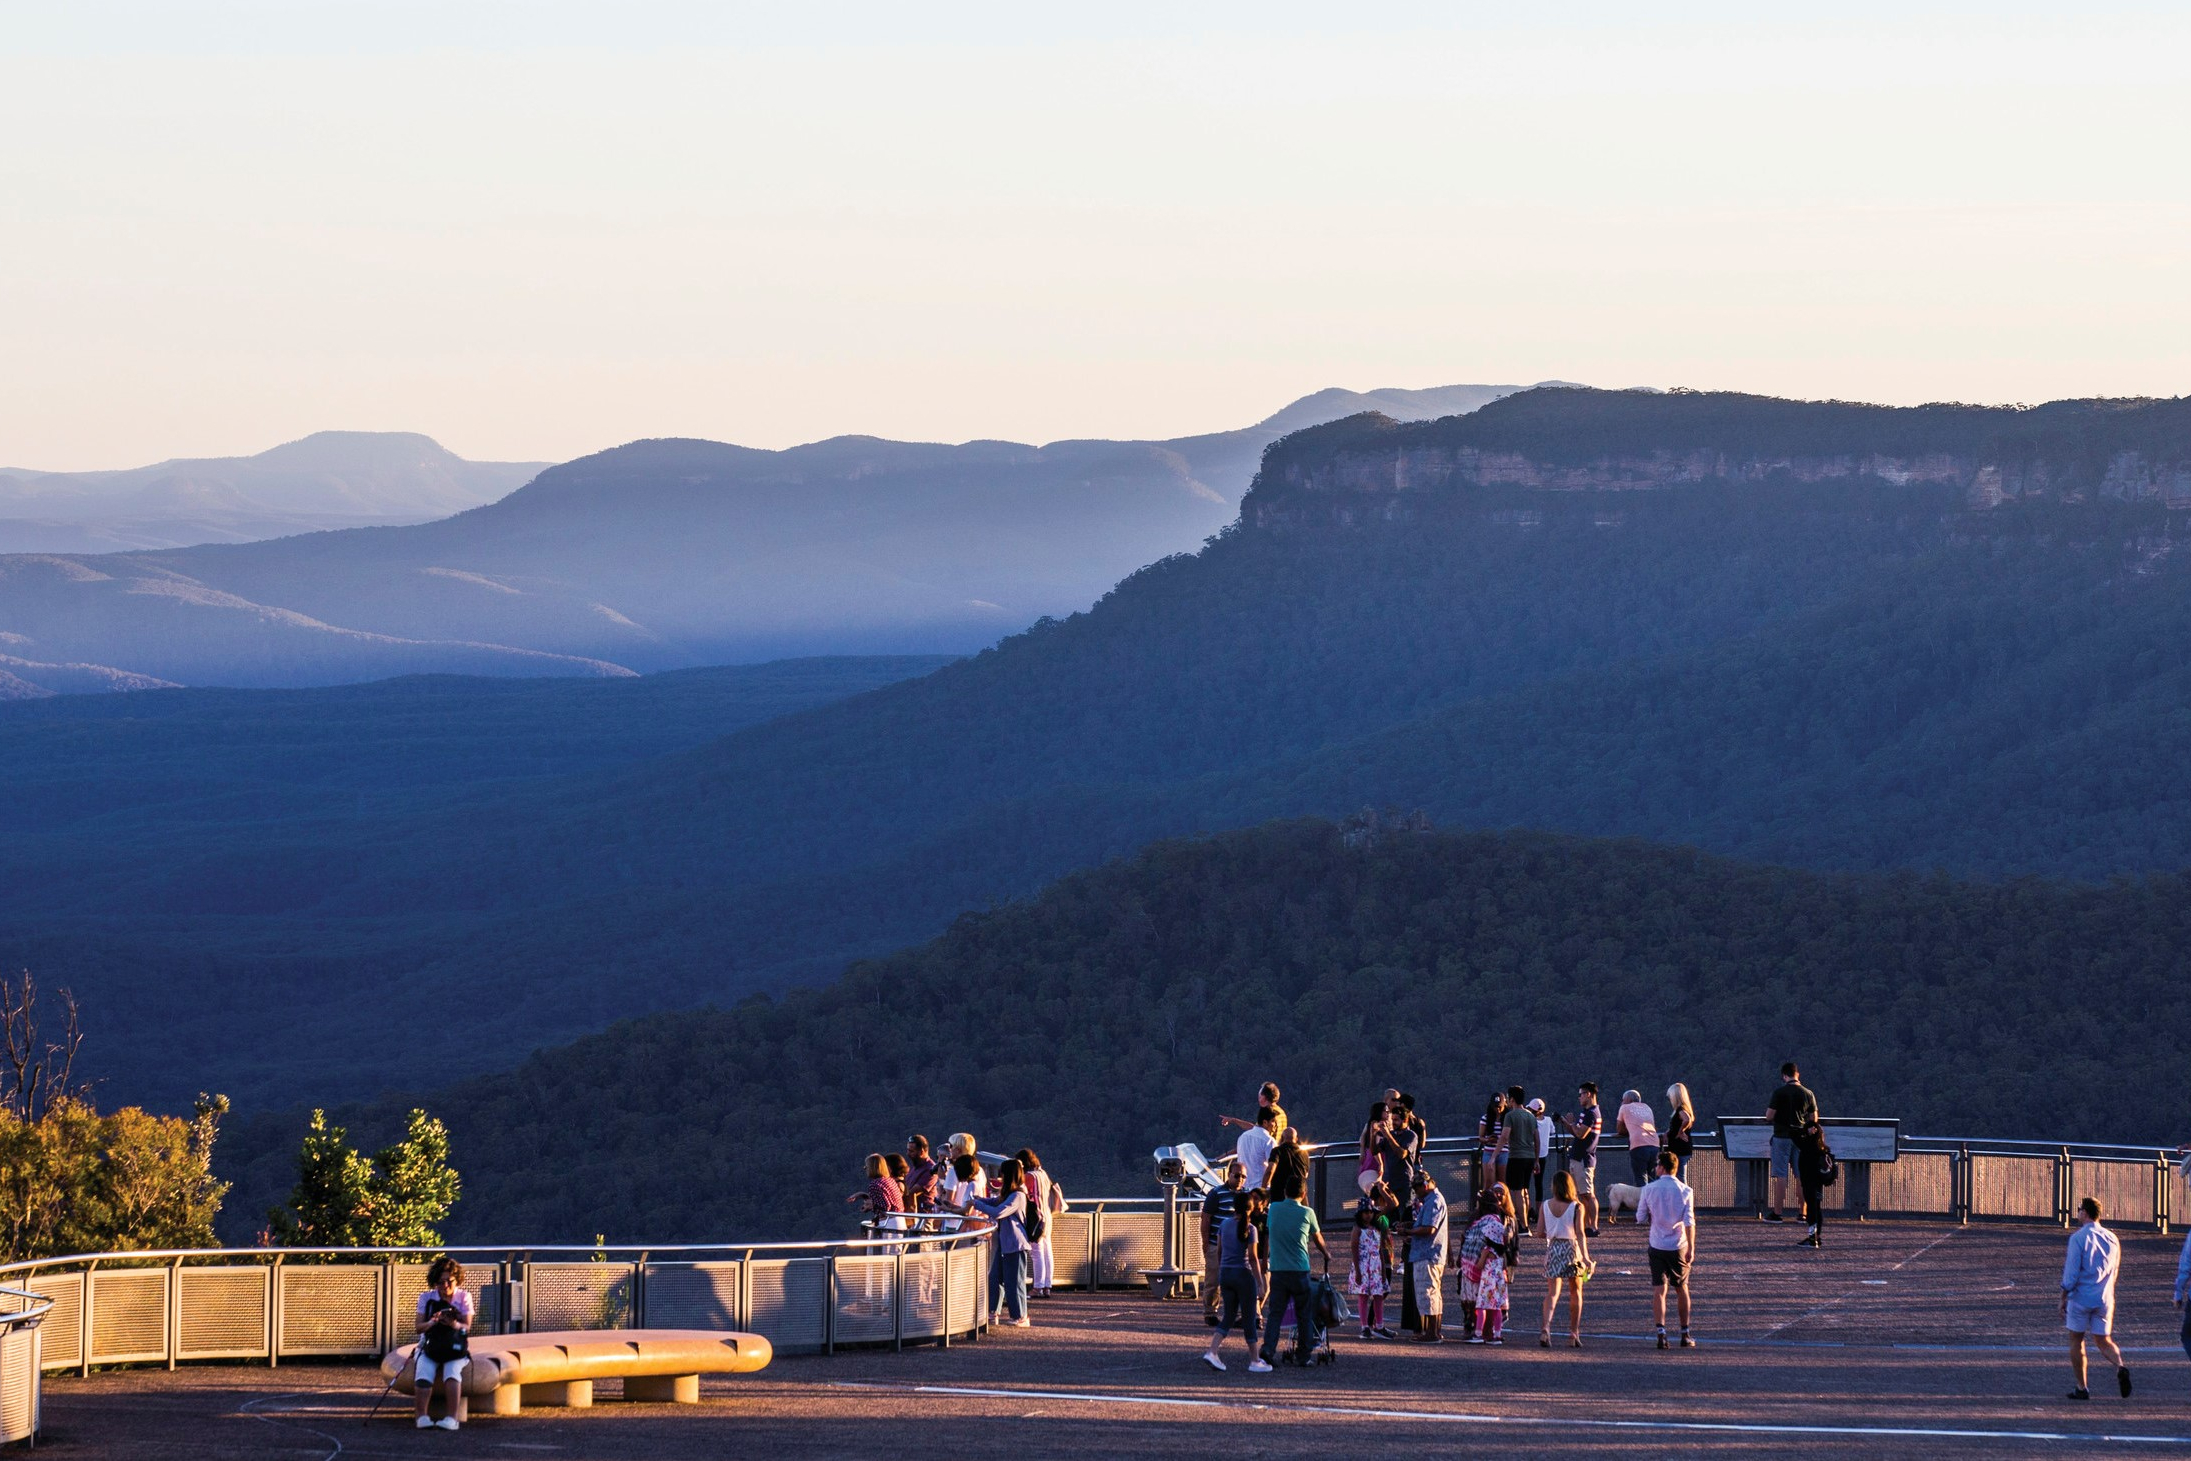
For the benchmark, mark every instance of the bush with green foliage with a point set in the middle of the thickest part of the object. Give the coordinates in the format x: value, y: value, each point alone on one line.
x: 75, y: 1181
x: 397, y: 1199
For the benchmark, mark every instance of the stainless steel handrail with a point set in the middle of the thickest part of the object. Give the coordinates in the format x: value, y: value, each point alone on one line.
x: 458, y: 1250
x: 36, y: 1307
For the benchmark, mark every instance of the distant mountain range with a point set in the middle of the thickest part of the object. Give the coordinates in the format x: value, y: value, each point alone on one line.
x: 330, y: 479
x: 651, y: 556
x: 1795, y: 633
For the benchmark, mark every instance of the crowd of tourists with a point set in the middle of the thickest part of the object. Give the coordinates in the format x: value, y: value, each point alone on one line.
x: 1406, y: 1236
x: 927, y: 1191
x: 1258, y: 1229
x: 1539, y: 1184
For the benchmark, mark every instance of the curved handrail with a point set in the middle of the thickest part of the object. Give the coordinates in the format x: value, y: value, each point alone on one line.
x: 170, y: 1255
x: 35, y: 1308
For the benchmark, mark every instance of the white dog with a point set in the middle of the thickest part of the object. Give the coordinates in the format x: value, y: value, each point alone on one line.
x: 1622, y: 1195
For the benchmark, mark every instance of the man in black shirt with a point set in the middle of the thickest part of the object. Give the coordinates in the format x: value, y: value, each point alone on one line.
x: 1790, y: 1108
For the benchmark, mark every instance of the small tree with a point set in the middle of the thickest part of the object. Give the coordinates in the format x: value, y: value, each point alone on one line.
x: 397, y: 1199
x: 72, y: 1180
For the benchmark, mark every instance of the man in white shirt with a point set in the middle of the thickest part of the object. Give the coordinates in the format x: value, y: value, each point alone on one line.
x: 1670, y: 1208
x: 2088, y: 1296
x: 1253, y: 1149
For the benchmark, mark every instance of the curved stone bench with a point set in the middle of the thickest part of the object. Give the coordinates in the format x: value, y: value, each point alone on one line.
x: 559, y: 1368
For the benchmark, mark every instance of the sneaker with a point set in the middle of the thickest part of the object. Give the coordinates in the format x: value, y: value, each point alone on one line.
x: 425, y: 1424
x: 2080, y: 1393
x: 1686, y: 1341
x: 1475, y: 1339
x: 1662, y: 1339
x: 1771, y: 1217
x: 1209, y: 1357
x: 1023, y: 1323
x: 447, y: 1422
x: 1383, y: 1333
x: 1258, y: 1366
x: 2122, y: 1381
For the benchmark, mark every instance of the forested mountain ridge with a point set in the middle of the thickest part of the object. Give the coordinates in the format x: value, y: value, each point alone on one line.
x: 1124, y: 1007
x: 1845, y: 674
x: 1573, y: 438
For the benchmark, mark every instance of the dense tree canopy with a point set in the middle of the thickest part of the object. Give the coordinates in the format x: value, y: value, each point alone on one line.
x: 1125, y: 1007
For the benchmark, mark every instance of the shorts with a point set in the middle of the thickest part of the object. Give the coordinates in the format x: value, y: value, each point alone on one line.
x: 1585, y: 1172
x: 431, y: 1371
x: 1518, y: 1172
x: 1429, y: 1301
x: 1367, y: 1178
x: 1783, y: 1155
x: 2092, y: 1319
x: 1669, y: 1267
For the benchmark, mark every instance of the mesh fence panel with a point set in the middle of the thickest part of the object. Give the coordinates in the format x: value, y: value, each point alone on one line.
x: 1920, y: 1183
x: 692, y: 1296
x: 2012, y: 1187
x: 19, y: 1364
x: 1132, y: 1241
x: 578, y: 1295
x: 129, y: 1316
x: 1069, y: 1246
x: 1712, y: 1177
x: 2125, y: 1189
x: 63, y: 1328
x: 221, y: 1312
x: 968, y: 1281
x: 790, y: 1298
x: 866, y: 1299
x: 923, y: 1294
x: 331, y: 1308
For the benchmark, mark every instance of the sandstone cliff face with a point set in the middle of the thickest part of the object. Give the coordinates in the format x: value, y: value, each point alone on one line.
x: 1350, y: 485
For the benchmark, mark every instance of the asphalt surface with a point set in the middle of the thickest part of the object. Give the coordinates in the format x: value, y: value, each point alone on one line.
x: 1900, y: 1339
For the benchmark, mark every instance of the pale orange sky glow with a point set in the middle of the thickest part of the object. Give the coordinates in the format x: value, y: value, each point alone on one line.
x: 534, y: 231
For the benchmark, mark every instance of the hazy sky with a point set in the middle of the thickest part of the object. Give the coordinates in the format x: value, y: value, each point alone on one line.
x: 536, y: 229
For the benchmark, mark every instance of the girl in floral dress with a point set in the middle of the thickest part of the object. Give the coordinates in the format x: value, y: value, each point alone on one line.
x: 1483, y: 1265
x: 1371, y: 1242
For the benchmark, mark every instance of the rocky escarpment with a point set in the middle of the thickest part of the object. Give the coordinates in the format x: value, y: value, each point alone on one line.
x: 1573, y: 440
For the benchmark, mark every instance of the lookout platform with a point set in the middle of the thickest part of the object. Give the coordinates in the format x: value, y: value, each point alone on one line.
x: 1899, y: 1339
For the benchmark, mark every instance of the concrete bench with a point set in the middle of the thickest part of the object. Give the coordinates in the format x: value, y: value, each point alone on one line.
x: 559, y: 1368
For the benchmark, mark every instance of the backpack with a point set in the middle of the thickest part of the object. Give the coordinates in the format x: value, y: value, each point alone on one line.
x: 1829, y: 1170
x: 442, y: 1342
x: 1036, y: 1221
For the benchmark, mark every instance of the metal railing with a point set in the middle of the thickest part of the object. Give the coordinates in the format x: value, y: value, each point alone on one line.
x: 21, y: 1326
x: 1097, y: 1242
x: 179, y: 1305
x: 1961, y: 1179
x: 888, y: 1288
x: 176, y: 1306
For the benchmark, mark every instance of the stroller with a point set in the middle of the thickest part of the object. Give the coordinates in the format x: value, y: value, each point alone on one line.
x: 1330, y: 1309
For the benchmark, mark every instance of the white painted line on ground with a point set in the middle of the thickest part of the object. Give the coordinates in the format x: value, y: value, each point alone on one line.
x: 1834, y: 1302
x: 1764, y: 1428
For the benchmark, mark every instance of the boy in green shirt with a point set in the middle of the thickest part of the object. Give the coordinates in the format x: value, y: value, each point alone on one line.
x: 1292, y: 1227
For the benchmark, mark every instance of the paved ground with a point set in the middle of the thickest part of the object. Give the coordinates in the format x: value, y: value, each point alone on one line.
x: 1901, y: 1339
